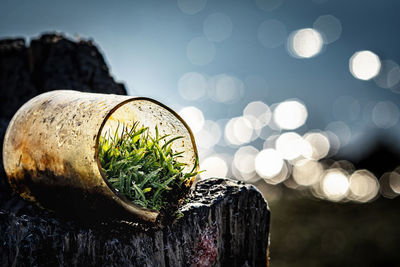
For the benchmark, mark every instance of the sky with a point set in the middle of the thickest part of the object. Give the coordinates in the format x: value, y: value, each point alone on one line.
x: 219, y: 56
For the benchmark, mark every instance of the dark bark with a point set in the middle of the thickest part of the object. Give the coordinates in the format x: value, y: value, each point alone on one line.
x: 50, y: 62
x: 224, y: 223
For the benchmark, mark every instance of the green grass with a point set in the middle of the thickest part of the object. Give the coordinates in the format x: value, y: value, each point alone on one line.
x: 144, y: 168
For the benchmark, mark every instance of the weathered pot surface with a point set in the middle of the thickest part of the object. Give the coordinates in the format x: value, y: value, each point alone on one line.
x: 50, y: 150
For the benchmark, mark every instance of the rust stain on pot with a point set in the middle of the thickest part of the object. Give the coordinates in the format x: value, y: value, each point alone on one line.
x: 50, y: 150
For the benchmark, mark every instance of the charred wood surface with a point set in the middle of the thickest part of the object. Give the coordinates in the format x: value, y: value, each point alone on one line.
x: 224, y: 223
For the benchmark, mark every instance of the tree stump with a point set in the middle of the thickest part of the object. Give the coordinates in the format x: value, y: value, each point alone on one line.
x: 224, y: 223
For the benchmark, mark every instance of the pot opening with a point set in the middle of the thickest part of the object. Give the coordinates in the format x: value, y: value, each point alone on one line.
x: 146, y: 154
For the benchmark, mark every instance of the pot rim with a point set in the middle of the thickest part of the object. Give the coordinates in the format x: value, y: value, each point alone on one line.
x: 142, y: 212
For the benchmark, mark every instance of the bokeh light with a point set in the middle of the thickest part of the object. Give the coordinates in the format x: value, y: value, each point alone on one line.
x: 290, y: 183
x: 243, y: 176
x: 204, y: 152
x: 209, y: 135
x: 268, y: 163
x: 290, y: 114
x: 215, y: 166
x: 191, y: 7
x: 343, y: 165
x: 334, y: 143
x: 394, y: 182
x: 393, y: 76
x: 270, y: 141
x: 341, y: 131
x: 258, y: 114
x: 272, y: 33
x: 267, y: 132
x: 217, y: 27
x: 330, y: 28
x: 192, y: 86
x: 193, y: 117
x: 364, y: 65
x: 385, y: 114
x: 363, y: 185
x: 319, y: 143
x: 307, y: 172
x: 229, y: 132
x: 226, y: 89
x: 200, y: 51
x: 305, y: 43
x: 281, y: 176
x: 291, y: 145
x: 335, y: 184
x: 388, y: 183
x: 244, y: 161
x: 238, y: 131
x: 242, y: 130
x: 222, y: 123
x: 389, y: 75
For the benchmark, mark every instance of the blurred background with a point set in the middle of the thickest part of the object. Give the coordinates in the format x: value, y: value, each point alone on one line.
x: 300, y: 98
